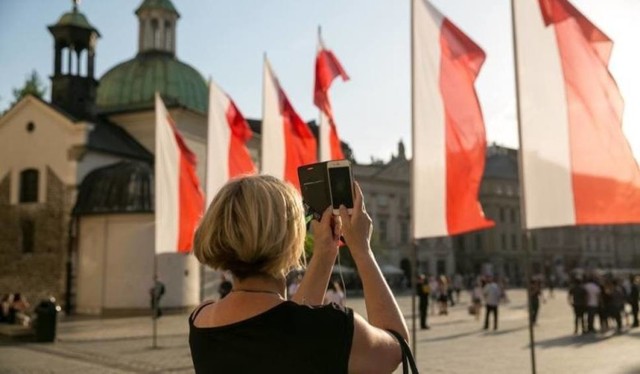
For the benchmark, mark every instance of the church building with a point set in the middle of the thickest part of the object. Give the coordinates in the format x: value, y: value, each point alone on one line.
x: 76, y: 177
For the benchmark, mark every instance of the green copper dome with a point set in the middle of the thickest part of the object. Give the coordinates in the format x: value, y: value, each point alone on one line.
x: 132, y: 84
x: 74, y: 18
x: 157, y: 4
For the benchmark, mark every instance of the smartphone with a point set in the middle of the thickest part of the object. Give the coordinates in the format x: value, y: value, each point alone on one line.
x: 314, y: 186
x: 340, y: 185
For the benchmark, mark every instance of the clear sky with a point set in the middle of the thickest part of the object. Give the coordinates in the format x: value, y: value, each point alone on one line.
x: 225, y: 40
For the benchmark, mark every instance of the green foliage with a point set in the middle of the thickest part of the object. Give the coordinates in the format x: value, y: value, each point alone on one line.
x: 32, y: 86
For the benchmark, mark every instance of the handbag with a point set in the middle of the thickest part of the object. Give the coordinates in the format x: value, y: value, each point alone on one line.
x: 407, y: 357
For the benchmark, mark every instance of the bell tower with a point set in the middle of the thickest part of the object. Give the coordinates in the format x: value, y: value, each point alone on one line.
x: 73, y: 86
x: 157, y: 27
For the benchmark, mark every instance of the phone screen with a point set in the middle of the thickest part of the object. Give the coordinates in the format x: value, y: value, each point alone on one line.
x: 340, y: 184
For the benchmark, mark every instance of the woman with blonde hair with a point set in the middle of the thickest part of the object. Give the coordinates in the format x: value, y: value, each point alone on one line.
x: 255, y: 229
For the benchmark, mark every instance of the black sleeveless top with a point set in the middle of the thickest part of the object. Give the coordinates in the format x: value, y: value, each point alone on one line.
x: 288, y: 338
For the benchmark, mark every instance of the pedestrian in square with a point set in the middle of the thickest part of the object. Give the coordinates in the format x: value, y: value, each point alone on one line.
x: 593, y: 303
x: 492, y: 295
x: 634, y: 295
x: 577, y: 298
x: 423, y: 292
x: 156, y: 292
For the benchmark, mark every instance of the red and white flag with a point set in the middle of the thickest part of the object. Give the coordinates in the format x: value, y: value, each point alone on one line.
x: 327, y: 69
x: 178, y: 198
x: 577, y: 165
x: 227, y: 137
x: 449, y: 141
x: 287, y: 142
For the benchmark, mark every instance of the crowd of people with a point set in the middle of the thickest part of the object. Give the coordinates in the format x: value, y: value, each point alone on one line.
x: 600, y: 302
x: 14, y: 309
x: 606, y: 298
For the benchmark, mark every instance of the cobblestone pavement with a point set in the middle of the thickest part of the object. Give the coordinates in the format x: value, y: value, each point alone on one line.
x: 454, y: 344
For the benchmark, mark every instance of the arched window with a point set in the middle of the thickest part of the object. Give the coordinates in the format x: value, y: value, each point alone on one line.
x: 155, y: 29
x: 167, y: 35
x: 29, y: 186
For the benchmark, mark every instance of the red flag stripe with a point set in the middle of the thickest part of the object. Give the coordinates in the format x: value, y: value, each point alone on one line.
x: 605, y: 175
x: 327, y: 69
x: 240, y: 162
x: 191, y: 200
x: 449, y: 138
x: 460, y: 64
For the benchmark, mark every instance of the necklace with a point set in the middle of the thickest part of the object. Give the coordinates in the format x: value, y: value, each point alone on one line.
x: 257, y: 291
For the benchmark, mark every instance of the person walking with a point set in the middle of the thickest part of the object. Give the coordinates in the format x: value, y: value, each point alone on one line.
x: 577, y: 298
x: 616, y: 306
x: 535, y: 294
x: 634, y: 295
x: 255, y: 228
x: 492, y: 295
x: 476, y: 298
x: 156, y: 292
x: 423, y: 292
x: 593, y: 302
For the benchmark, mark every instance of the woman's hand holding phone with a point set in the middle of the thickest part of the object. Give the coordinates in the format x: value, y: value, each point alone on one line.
x: 357, y: 226
x: 326, y: 234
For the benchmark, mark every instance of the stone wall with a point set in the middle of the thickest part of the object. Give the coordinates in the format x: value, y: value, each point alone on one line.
x: 41, y: 272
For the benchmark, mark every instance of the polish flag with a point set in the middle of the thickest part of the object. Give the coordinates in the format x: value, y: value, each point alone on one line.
x: 287, y: 142
x: 178, y: 198
x: 578, y: 168
x: 448, y: 130
x: 327, y: 69
x: 227, y: 138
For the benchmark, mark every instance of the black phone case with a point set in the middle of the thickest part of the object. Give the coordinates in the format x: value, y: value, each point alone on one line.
x: 314, y: 185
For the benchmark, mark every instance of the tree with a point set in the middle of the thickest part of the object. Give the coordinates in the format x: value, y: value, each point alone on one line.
x: 32, y: 86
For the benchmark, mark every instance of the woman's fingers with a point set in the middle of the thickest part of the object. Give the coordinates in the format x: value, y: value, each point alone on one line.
x: 358, y: 205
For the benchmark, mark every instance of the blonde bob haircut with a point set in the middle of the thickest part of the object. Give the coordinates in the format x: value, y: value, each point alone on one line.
x: 254, y: 226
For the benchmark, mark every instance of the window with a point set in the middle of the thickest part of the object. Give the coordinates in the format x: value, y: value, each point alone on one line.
x: 29, y: 186
x: 504, y: 241
x: 27, y: 236
x: 514, y: 242
x: 167, y: 35
x: 404, y: 232
x: 513, y: 215
x: 501, y: 214
x: 382, y: 226
x: 155, y: 29
x: 383, y: 200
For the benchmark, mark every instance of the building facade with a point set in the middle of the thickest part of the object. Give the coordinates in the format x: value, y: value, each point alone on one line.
x: 499, y: 250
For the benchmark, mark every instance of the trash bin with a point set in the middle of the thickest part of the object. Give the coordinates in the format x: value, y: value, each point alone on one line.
x: 46, y: 318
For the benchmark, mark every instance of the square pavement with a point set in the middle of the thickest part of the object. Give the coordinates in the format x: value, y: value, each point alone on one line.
x: 455, y: 344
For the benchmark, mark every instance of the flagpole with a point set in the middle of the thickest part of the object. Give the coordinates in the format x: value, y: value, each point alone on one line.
x: 414, y: 244
x: 154, y: 316
x: 264, y: 86
x: 523, y: 215
x: 320, y: 139
x: 206, y: 187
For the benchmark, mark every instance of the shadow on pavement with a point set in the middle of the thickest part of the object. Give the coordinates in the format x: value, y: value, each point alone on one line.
x: 449, y: 337
x: 448, y: 323
x: 574, y: 340
x: 507, y: 331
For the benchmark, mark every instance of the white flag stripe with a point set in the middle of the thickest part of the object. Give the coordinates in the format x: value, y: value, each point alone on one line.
x: 429, y: 149
x: 218, y: 141
x: 324, y: 137
x: 544, y: 115
x: 273, y: 143
x: 167, y: 175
